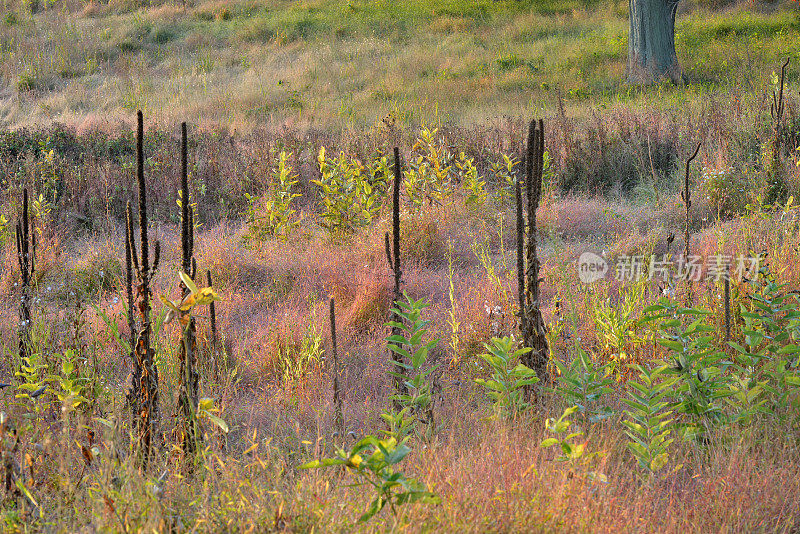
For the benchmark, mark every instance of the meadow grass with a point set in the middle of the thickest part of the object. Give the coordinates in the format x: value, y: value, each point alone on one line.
x: 491, y: 475
x: 326, y: 64
x: 259, y: 79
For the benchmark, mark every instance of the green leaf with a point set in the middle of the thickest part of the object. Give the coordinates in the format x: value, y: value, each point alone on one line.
x: 188, y: 282
x: 676, y: 346
x: 218, y: 421
x: 21, y: 486
x: 659, y: 462
x: 375, y: 506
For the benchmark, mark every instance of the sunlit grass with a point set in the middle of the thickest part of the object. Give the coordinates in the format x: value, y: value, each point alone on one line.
x: 332, y: 64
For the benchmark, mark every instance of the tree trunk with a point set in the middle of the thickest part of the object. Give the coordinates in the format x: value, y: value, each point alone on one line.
x: 651, y: 41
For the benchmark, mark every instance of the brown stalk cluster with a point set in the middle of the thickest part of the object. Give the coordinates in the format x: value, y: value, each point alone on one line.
x: 143, y: 392
x: 188, y: 392
x: 531, y: 322
x: 26, y: 257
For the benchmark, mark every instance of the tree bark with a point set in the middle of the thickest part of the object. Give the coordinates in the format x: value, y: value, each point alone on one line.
x: 651, y: 41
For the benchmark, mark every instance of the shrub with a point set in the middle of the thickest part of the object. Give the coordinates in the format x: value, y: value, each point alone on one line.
x: 26, y: 81
x: 272, y: 215
x: 429, y: 177
x: 350, y: 192
x: 504, y: 172
x: 726, y: 192
x: 474, y: 185
x: 506, y: 386
x: 416, y: 405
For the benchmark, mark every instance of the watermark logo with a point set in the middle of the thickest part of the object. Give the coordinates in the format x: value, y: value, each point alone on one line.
x: 591, y: 267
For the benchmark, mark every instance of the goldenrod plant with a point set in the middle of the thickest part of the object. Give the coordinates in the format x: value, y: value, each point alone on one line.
x: 618, y: 326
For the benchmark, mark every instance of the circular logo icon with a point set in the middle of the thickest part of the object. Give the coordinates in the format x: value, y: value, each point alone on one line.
x: 591, y: 267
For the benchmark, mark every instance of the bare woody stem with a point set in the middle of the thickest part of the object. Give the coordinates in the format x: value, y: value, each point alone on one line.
x: 686, y: 196
x: 130, y: 256
x: 534, y: 335
x: 143, y: 394
x: 520, y: 259
x: 778, y: 186
x: 337, y: 396
x: 398, y: 273
x: 188, y: 392
x: 394, y: 264
x: 186, y: 259
x: 777, y: 114
x: 142, y: 197
x: 727, y: 298
x: 26, y: 251
x: 212, y: 316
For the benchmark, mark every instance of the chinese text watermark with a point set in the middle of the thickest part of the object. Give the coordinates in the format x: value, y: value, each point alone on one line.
x: 593, y: 267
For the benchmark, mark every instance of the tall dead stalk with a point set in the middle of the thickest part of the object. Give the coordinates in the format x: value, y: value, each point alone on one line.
x: 393, y: 257
x: 212, y: 317
x: 686, y: 196
x: 777, y: 190
x: 523, y: 327
x: 531, y: 323
x: 129, y: 280
x: 727, y: 298
x: 26, y: 257
x: 188, y: 392
x: 143, y: 393
x: 337, y: 395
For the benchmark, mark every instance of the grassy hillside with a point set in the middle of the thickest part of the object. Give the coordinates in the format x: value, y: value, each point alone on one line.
x: 333, y: 64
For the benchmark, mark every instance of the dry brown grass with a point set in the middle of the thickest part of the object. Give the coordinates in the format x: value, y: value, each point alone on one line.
x: 491, y: 476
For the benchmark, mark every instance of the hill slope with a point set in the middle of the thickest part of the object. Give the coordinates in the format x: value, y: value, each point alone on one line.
x: 330, y: 64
